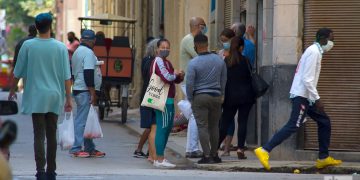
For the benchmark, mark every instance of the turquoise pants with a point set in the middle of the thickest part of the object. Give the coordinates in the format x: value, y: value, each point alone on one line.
x: 164, y: 124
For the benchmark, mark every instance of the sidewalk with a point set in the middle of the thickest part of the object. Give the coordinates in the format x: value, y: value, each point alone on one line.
x: 177, y: 143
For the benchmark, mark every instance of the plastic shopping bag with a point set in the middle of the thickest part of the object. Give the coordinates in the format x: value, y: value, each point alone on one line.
x: 66, y: 132
x: 183, y: 89
x: 185, y: 108
x: 92, y: 127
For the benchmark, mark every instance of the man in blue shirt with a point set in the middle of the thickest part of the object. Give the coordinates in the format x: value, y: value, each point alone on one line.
x: 205, y: 86
x: 43, y: 63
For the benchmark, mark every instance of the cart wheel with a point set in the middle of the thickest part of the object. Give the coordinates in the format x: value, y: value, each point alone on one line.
x: 124, y: 107
x: 101, y: 113
x: 101, y: 109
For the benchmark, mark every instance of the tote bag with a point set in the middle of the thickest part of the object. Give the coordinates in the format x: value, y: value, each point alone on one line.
x: 156, y: 92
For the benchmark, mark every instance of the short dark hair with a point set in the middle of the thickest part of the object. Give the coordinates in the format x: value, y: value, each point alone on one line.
x: 227, y: 32
x: 323, y: 33
x: 161, y: 41
x: 200, y: 39
x: 71, y: 33
x: 32, y: 30
x: 43, y: 22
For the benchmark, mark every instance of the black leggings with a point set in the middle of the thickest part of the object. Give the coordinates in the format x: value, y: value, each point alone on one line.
x: 228, y: 116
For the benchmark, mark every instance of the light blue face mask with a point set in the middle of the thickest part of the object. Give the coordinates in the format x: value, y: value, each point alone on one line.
x: 164, y: 53
x: 226, y: 45
x: 204, y: 30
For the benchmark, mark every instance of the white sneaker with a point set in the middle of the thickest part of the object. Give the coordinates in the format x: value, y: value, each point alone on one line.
x: 165, y: 164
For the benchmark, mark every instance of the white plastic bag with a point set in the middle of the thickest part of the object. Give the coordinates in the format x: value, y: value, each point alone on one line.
x: 185, y: 108
x: 66, y: 132
x: 92, y: 127
x: 183, y: 89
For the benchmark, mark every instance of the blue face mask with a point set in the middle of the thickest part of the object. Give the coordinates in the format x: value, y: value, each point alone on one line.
x: 226, y: 45
x: 204, y: 30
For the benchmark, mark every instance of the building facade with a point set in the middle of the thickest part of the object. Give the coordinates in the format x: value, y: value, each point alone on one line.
x: 284, y: 29
x: 67, y: 12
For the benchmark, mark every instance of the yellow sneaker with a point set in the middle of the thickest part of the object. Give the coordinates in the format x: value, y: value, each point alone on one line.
x: 329, y: 161
x: 263, y: 157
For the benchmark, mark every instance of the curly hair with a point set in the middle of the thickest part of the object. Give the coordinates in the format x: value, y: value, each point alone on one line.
x: 151, y: 48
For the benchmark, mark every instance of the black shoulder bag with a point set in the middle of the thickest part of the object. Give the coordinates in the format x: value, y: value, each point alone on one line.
x: 259, y: 85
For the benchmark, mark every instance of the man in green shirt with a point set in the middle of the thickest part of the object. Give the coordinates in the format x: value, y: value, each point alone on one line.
x: 43, y: 63
x: 187, y: 51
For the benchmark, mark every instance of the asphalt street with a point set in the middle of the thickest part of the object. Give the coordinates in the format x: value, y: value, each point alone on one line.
x: 119, y: 144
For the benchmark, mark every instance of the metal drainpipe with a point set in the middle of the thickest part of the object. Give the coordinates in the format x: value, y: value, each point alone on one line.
x: 258, y: 101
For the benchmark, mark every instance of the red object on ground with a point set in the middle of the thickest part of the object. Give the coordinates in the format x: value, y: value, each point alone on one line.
x: 5, y: 77
x: 4, y: 80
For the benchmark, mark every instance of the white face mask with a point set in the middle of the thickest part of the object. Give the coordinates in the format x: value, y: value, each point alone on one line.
x: 328, y: 46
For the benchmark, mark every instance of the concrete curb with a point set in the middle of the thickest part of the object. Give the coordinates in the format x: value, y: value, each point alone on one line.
x: 177, y: 145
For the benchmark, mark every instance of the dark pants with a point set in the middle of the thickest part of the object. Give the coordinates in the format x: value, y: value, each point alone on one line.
x: 207, y: 112
x: 228, y: 119
x: 45, y: 125
x: 301, y: 108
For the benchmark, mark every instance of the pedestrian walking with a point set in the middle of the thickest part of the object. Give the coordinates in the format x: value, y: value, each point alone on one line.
x: 3, y: 46
x: 72, y: 44
x: 32, y: 34
x: 87, y: 80
x: 306, y: 101
x: 205, y: 86
x: 147, y: 114
x: 44, y: 63
x: 164, y: 120
x: 187, y: 52
x: 239, y: 95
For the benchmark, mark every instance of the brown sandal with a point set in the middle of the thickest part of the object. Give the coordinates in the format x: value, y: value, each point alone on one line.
x: 241, y: 154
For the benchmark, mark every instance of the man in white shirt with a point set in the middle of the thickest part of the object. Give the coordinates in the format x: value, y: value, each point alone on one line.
x: 306, y: 101
x: 87, y: 80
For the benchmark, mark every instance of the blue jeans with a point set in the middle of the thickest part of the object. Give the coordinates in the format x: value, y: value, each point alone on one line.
x: 83, y: 106
x: 301, y: 108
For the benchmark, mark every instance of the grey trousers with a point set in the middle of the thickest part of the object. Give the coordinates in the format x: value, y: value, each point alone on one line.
x: 45, y: 125
x: 207, y: 112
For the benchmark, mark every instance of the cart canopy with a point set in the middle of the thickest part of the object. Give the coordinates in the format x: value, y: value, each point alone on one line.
x: 108, y: 17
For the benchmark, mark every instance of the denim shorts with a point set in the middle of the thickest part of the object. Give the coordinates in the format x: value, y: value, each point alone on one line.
x: 147, y: 116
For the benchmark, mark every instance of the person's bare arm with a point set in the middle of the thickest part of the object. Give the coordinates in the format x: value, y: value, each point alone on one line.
x: 250, y: 34
x: 93, y: 95
x: 68, y: 102
x: 12, y: 93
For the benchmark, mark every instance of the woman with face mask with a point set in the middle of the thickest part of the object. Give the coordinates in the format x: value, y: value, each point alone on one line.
x: 164, y: 120
x: 239, y: 95
x: 73, y: 43
x: 225, y: 38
